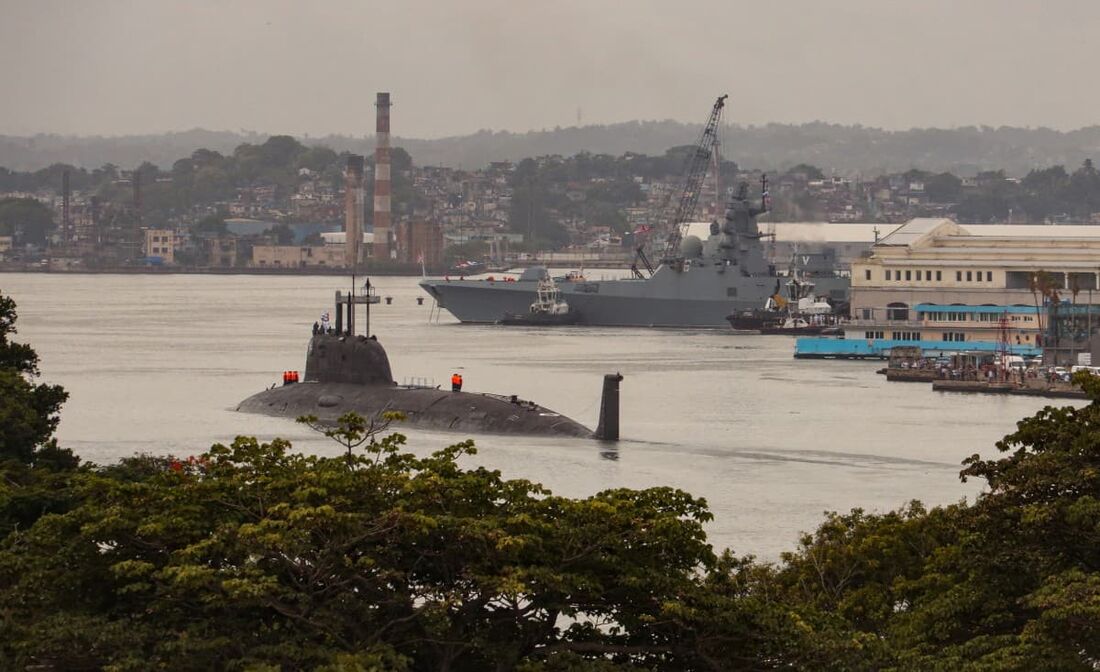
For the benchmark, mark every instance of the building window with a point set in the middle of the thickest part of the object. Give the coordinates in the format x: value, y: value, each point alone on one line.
x: 989, y: 276
x: 897, y: 312
x: 908, y: 275
x: 869, y: 335
x: 958, y: 276
x: 867, y: 274
x: 888, y: 274
x: 969, y: 276
x: 866, y: 313
x: 918, y: 276
x: 939, y: 275
x: 954, y: 336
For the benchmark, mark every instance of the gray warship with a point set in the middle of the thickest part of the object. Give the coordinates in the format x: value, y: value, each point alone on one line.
x: 697, y: 288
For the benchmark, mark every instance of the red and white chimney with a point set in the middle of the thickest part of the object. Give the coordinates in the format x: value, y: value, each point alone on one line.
x: 382, y: 222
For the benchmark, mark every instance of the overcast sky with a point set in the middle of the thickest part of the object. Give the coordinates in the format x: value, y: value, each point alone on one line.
x: 457, y: 66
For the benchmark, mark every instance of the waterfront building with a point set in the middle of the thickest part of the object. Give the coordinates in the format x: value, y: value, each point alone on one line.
x: 220, y: 251
x: 160, y: 244
x: 933, y: 281
x: 297, y: 256
x: 1017, y: 325
x: 938, y: 262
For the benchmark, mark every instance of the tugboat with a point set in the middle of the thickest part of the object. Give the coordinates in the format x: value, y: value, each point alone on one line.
x: 549, y: 309
x: 800, y: 313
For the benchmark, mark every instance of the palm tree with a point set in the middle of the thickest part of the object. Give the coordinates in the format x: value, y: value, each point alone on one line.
x: 1075, y: 289
x: 1041, y: 283
x: 1033, y: 285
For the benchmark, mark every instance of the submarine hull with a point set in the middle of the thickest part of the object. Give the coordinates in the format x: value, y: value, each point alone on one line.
x: 424, y: 408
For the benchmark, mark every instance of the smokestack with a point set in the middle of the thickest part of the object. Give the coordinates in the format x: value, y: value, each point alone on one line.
x: 66, y: 218
x: 353, y: 211
x: 136, y: 180
x: 382, y: 178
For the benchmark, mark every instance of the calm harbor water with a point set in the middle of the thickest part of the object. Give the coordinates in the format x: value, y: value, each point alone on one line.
x: 158, y: 363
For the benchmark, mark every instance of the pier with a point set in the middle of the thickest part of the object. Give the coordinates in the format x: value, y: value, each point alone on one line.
x: 1051, y: 390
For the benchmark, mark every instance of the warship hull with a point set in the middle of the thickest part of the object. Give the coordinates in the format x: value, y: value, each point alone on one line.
x: 697, y: 297
x: 541, y: 319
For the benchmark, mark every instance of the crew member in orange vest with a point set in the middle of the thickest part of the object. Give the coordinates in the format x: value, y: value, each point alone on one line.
x: 456, y: 382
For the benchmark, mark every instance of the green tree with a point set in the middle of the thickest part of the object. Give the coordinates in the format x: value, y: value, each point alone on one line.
x: 474, y: 250
x: 1011, y: 582
x: 943, y: 188
x: 809, y: 172
x: 532, y: 204
x: 29, y: 221
x: 28, y: 411
x: 34, y: 471
x: 252, y: 555
x: 281, y: 234
x: 211, y: 225
x: 317, y: 158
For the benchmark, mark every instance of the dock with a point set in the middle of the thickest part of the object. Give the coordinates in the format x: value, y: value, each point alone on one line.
x: 911, y: 375
x: 1053, y: 391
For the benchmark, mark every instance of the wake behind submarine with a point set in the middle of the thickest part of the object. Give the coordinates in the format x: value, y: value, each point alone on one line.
x: 348, y: 372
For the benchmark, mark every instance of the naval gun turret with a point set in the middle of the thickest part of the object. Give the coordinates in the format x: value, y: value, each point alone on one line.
x: 346, y: 373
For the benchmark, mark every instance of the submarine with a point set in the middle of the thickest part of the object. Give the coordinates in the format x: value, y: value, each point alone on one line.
x: 348, y: 372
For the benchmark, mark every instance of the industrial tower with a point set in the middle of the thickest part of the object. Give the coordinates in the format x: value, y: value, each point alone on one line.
x: 382, y: 223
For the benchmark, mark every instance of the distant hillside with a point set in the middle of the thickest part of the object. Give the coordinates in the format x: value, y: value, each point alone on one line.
x: 835, y: 148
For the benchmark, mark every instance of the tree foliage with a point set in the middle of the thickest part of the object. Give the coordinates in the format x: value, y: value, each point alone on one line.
x: 26, y: 219
x: 28, y: 411
x: 253, y: 555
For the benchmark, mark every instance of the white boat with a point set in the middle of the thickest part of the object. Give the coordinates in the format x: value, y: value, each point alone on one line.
x: 549, y: 308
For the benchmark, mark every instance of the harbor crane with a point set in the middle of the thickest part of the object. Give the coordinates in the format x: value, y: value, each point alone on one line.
x: 695, y: 171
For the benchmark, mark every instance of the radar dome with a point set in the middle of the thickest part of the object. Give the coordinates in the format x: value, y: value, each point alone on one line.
x: 691, y: 247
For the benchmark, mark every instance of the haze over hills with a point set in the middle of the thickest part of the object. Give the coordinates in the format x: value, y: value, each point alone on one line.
x: 835, y: 148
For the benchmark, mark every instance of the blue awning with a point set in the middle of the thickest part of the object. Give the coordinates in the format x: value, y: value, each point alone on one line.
x: 820, y: 347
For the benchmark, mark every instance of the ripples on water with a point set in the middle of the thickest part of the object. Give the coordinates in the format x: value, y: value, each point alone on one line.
x: 158, y: 363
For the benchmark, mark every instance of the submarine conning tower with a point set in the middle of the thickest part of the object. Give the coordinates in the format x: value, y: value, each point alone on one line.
x: 339, y: 358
